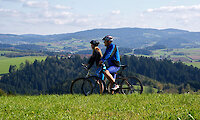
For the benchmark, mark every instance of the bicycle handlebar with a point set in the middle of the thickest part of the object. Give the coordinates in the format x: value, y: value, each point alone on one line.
x: 84, y: 66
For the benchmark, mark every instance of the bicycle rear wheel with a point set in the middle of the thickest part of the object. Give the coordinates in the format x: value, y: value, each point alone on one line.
x: 130, y: 85
x: 97, y: 84
x: 81, y: 86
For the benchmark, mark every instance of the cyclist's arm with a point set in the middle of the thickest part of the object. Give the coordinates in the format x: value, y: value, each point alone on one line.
x: 99, y: 51
x: 91, y: 61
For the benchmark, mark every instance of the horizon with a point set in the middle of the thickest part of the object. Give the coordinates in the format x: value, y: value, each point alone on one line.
x: 99, y: 29
x: 58, y: 17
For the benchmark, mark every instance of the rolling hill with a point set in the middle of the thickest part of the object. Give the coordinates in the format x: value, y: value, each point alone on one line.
x: 124, y: 37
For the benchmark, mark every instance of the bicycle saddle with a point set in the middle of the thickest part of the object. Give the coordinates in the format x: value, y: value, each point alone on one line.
x: 123, y: 66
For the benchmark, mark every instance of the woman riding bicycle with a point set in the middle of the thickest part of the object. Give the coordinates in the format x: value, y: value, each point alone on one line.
x: 96, y: 57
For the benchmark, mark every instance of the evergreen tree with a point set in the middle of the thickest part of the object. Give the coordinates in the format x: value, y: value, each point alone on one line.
x: 54, y: 75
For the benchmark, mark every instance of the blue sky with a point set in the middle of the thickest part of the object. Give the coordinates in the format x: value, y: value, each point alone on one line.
x: 66, y: 16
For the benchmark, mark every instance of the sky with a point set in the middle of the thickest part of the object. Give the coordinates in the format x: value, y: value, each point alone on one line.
x: 68, y: 16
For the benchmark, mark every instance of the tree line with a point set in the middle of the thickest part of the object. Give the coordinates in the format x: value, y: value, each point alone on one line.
x: 22, y: 47
x: 54, y: 74
x: 148, y: 50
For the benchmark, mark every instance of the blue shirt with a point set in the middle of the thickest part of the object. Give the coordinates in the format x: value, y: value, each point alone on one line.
x: 108, y: 52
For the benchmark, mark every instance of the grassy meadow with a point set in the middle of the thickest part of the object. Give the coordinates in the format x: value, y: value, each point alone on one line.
x: 135, y: 107
x: 6, y: 62
x: 189, y: 56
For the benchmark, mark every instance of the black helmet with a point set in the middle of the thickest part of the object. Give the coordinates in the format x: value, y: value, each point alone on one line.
x: 108, y: 38
x: 95, y: 42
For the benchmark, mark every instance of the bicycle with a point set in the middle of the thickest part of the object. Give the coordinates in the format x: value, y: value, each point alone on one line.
x: 127, y: 85
x: 94, y: 84
x: 86, y: 85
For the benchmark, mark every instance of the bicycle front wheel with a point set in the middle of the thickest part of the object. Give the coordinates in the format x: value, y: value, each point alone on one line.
x: 81, y: 86
x: 130, y: 85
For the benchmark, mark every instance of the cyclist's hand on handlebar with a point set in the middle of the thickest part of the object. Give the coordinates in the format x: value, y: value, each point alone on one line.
x: 100, y: 62
x: 85, y: 66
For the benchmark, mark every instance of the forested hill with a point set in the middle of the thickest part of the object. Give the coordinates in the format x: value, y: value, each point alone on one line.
x: 54, y: 75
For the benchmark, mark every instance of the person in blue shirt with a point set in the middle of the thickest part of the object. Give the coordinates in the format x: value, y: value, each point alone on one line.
x: 112, y: 56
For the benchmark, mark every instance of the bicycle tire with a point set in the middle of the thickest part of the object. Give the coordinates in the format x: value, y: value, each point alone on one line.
x: 130, y: 85
x: 81, y: 86
x: 97, y: 84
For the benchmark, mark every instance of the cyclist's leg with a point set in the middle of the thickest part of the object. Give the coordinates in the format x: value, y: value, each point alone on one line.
x: 109, y: 76
x: 113, y: 70
x: 100, y: 75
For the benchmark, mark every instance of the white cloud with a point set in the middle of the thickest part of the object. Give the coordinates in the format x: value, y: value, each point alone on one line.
x: 176, y: 8
x: 116, y: 12
x: 182, y: 17
x: 53, y: 14
x: 61, y: 7
x: 9, y: 12
x: 5, y: 10
x: 41, y: 14
x: 14, y: 0
x: 178, y: 12
x: 36, y: 4
x: 61, y: 15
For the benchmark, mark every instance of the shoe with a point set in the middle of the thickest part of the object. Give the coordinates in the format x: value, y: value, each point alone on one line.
x: 115, y: 87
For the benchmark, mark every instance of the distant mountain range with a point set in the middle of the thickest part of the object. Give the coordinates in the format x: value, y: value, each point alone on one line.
x: 124, y: 37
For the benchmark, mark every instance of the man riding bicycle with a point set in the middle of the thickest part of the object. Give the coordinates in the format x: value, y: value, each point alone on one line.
x: 112, y: 56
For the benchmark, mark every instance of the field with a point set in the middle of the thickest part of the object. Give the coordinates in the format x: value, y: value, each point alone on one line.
x: 189, y: 53
x: 189, y: 56
x: 2, y: 52
x: 73, y: 44
x: 6, y: 62
x: 135, y: 107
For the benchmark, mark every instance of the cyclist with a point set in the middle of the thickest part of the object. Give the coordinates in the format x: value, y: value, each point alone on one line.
x: 112, y: 56
x: 96, y: 56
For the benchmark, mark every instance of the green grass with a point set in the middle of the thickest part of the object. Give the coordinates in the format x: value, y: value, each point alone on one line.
x: 188, y: 52
x: 6, y: 62
x: 2, y: 52
x: 68, y: 43
x: 135, y: 107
